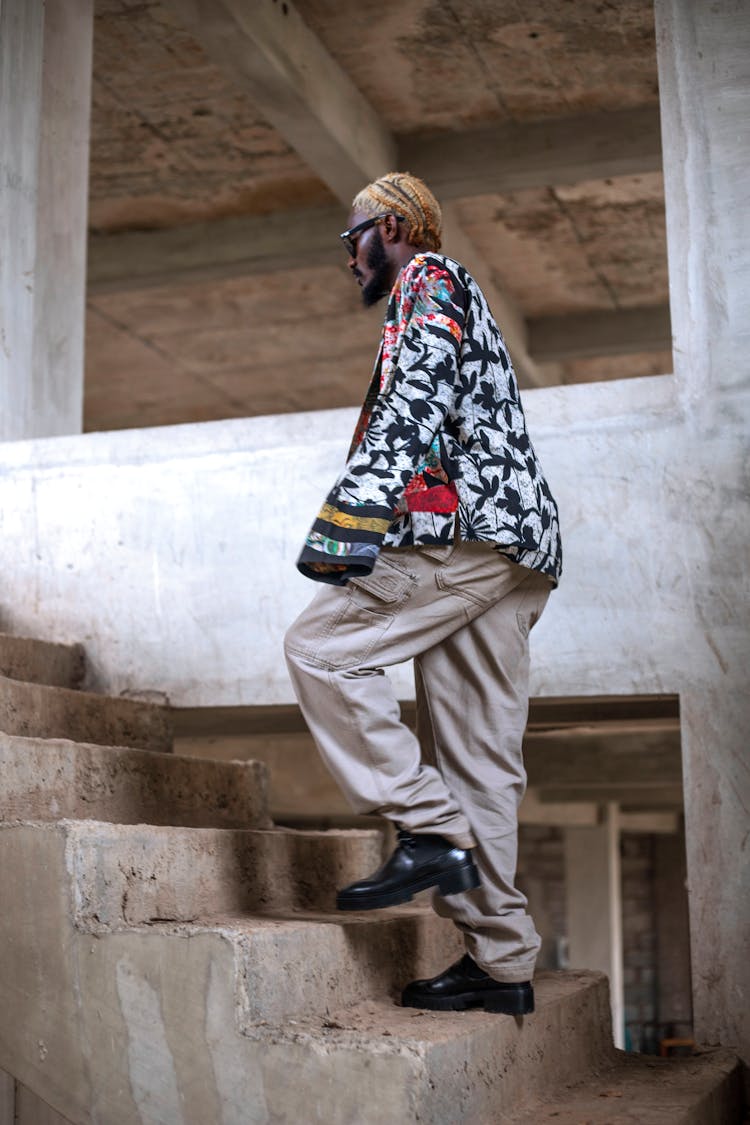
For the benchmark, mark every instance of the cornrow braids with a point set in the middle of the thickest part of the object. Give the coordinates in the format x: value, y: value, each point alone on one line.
x: 404, y: 194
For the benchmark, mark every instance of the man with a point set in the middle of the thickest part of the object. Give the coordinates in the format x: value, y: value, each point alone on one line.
x: 439, y: 543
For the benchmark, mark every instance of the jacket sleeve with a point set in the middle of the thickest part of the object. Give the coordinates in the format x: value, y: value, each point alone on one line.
x: 351, y: 525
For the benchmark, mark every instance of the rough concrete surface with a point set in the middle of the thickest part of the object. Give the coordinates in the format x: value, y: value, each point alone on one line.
x: 31, y: 1110
x: 7, y: 1098
x: 289, y: 970
x: 197, y: 506
x: 41, y: 662
x: 38, y: 711
x: 174, y: 139
x: 128, y: 874
x: 179, y: 140
x: 44, y: 125
x: 163, y: 1040
x: 299, y: 782
x: 704, y: 1089
x: 50, y: 779
x: 704, y: 81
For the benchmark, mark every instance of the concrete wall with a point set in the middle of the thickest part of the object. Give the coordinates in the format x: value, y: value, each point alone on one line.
x: 704, y: 80
x: 170, y: 552
x: 19, y: 1106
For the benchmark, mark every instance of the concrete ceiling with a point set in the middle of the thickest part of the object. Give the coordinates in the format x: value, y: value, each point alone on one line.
x: 216, y: 288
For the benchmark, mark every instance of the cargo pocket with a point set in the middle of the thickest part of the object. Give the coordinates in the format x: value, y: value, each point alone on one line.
x: 383, y: 590
x: 372, y: 603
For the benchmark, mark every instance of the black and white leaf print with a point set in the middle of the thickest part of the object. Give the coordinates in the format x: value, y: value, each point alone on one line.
x: 450, y: 388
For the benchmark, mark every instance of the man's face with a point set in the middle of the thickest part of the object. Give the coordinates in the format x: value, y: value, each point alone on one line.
x: 370, y: 265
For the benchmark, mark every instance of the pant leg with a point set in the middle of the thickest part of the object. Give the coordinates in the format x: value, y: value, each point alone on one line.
x: 337, y: 652
x: 472, y: 695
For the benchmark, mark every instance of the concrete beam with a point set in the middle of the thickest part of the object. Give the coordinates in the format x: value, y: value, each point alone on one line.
x: 600, y: 714
x: 212, y: 251
x: 598, y: 731
x: 566, y: 150
x: 283, y: 240
x: 584, y: 814
x: 312, y: 102
x: 634, y: 798
x: 609, y: 332
x: 297, y: 86
x: 652, y: 762
x: 555, y: 712
x: 654, y: 823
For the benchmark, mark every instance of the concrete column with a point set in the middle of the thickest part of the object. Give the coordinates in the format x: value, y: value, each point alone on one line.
x: 593, y: 901
x: 704, y: 79
x: 45, y: 95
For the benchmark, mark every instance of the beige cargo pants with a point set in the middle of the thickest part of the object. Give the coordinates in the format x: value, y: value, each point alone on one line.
x: 463, y: 614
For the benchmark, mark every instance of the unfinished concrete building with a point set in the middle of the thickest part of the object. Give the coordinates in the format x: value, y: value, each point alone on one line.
x: 175, y: 174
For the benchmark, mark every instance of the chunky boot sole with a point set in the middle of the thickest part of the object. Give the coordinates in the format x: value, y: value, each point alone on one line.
x: 504, y: 1003
x: 464, y: 877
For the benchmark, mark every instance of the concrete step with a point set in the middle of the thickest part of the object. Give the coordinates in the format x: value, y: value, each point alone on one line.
x: 258, y: 1019
x: 41, y: 662
x: 271, y: 894
x: 189, y: 1024
x: 705, y: 1089
x: 39, y: 711
x: 53, y: 779
x: 446, y: 1068
x: 261, y: 1020
x: 132, y: 874
x: 304, y: 967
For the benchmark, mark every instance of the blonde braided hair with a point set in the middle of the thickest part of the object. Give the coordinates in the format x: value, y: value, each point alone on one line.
x: 401, y: 193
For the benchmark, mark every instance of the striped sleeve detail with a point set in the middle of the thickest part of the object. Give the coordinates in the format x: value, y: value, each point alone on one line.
x: 349, y: 534
x: 337, y: 516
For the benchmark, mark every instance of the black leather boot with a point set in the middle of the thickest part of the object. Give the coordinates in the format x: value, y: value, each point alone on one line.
x: 465, y: 985
x: 419, y: 861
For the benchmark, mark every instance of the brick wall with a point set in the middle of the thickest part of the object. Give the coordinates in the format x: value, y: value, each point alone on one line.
x: 639, y: 940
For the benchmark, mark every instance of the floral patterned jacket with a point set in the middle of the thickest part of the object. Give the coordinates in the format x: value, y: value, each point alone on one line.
x: 441, y: 432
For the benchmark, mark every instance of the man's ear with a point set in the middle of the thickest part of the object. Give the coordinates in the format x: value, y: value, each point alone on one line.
x: 390, y: 229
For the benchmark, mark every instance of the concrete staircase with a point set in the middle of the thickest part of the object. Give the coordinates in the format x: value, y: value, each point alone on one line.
x: 169, y: 957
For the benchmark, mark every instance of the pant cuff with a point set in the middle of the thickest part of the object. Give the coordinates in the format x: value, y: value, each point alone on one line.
x: 515, y: 975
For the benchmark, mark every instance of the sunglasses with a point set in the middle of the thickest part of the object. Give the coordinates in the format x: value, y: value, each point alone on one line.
x: 350, y: 236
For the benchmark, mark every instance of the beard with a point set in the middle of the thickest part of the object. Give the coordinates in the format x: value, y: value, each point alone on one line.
x: 379, y: 284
